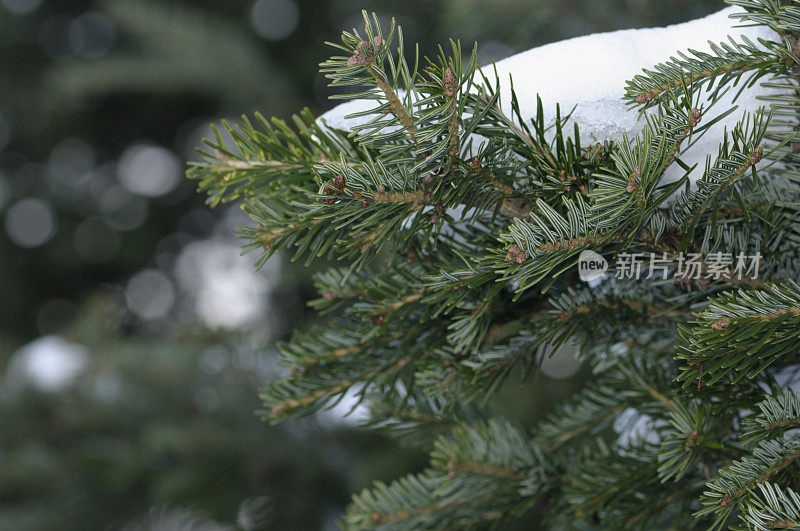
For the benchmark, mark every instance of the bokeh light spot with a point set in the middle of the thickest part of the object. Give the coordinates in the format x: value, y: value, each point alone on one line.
x: 149, y: 170
x: 274, y: 20
x: 122, y: 210
x: 150, y: 294
x: 50, y: 363
x: 30, y: 222
x: 90, y: 35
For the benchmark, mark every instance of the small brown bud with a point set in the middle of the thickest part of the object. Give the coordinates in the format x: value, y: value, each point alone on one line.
x: 721, y: 324
x: 379, y: 319
x: 376, y: 518
x: 756, y: 156
x: 450, y: 83
x: 516, y: 254
x: 633, y: 181
x: 353, y: 61
x: 377, y: 42
x: 364, y: 51
x: 339, y: 182
x: 695, y: 118
x: 364, y: 202
x: 475, y: 162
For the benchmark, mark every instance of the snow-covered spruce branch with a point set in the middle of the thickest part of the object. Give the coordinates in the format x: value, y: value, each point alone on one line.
x: 456, y: 202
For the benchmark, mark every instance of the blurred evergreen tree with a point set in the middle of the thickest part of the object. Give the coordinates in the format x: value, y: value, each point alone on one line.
x: 164, y: 424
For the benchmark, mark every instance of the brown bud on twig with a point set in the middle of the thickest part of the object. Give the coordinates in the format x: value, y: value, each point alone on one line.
x: 450, y: 83
x: 644, y: 98
x: 364, y: 49
x: 633, y: 181
x: 695, y: 118
x: 377, y: 42
x: 516, y: 254
x: 364, y: 53
x: 339, y: 182
x: 756, y: 156
x: 333, y: 188
x: 721, y: 324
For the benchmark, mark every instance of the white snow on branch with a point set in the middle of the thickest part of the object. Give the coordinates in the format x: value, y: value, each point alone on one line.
x: 590, y: 73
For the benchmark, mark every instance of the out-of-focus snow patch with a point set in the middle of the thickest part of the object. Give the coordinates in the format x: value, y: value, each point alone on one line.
x: 347, y: 412
x: 634, y: 428
x: 589, y: 74
x: 788, y: 377
x: 49, y: 363
x: 226, y: 291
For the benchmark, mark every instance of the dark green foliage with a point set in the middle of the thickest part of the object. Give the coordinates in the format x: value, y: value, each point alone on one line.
x: 458, y: 225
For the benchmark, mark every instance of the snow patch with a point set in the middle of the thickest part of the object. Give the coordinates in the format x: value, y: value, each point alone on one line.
x: 49, y: 363
x: 589, y: 74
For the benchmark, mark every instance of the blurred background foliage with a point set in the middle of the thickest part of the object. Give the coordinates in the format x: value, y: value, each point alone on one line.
x: 132, y: 336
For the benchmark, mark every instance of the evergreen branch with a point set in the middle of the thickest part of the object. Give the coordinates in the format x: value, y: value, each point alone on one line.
x: 266, y: 156
x: 475, y: 472
x: 695, y: 429
x: 773, y: 507
x: 726, y: 64
x: 327, y: 364
x: 586, y: 415
x: 602, y: 483
x: 463, y: 204
x: 732, y: 163
x: 778, y: 414
x: 740, y: 334
x: 418, y: 420
x: 733, y: 487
